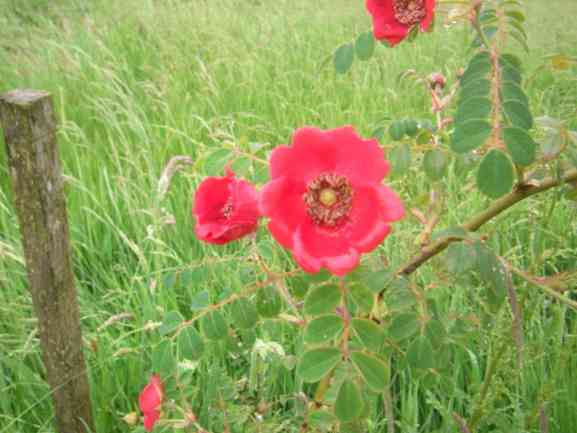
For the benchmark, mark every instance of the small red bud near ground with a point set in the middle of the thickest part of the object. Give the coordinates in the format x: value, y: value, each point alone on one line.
x: 150, y: 401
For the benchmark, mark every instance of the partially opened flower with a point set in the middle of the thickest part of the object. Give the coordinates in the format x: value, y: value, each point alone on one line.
x: 325, y: 199
x: 393, y: 19
x: 226, y: 209
x: 150, y: 400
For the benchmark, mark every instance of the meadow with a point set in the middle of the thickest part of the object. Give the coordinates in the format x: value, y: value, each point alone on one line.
x: 137, y: 82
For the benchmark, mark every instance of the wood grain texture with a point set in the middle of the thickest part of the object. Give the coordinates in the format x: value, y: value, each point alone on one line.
x: 27, y: 118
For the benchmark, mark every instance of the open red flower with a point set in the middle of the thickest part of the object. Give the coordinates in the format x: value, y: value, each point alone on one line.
x: 150, y: 400
x: 225, y: 208
x: 393, y: 19
x: 325, y: 199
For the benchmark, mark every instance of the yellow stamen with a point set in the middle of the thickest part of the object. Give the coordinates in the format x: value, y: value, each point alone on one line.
x: 328, y: 196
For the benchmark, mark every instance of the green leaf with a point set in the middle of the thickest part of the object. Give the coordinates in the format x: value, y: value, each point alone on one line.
x: 215, y: 161
x: 516, y: 14
x: 492, y: 273
x: 420, y: 353
x: 163, y: 360
x: 170, y: 322
x: 362, y: 296
x: 518, y: 113
x: 323, y: 328
x: 343, y: 59
x: 404, y: 325
x: 511, y: 91
x: 190, y: 344
x: 213, y: 325
x: 316, y: 363
x: 496, y: 174
x: 460, y: 257
x: 374, y: 371
x: 475, y: 88
x: 365, y: 46
x: 323, y: 299
x: 400, y: 159
x: 473, y: 108
x: 470, y: 135
x: 322, y: 420
x: 479, y: 67
x: 268, y: 302
x: 200, y: 301
x: 521, y: 146
x: 435, y: 164
x: 243, y: 313
x: 397, y: 130
x: 371, y: 335
x: 349, y: 405
x: 411, y: 127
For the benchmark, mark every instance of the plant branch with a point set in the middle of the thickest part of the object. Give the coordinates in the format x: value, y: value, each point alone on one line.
x: 521, y: 192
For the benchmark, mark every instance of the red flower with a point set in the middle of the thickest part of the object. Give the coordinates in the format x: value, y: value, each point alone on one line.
x: 325, y: 199
x: 393, y: 19
x: 225, y: 208
x: 150, y: 400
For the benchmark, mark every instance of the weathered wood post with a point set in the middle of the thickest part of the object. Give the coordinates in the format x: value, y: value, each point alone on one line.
x: 29, y: 124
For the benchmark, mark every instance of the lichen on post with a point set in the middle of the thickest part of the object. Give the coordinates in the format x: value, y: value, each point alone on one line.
x: 27, y: 118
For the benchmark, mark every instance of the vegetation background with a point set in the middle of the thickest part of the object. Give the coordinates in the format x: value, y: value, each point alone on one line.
x: 139, y: 81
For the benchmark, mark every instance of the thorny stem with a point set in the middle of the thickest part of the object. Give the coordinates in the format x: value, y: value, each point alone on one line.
x: 476, y: 22
x: 520, y: 193
x: 535, y: 281
x: 276, y: 281
x: 251, y: 289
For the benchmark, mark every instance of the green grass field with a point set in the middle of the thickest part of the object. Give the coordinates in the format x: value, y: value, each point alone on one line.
x: 139, y: 81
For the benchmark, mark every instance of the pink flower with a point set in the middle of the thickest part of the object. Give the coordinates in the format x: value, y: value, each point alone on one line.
x: 150, y: 400
x: 325, y: 199
x: 225, y: 208
x: 393, y: 19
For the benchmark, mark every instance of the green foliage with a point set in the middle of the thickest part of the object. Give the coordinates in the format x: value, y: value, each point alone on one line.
x: 190, y: 344
x: 374, y: 371
x: 323, y: 329
x: 314, y: 364
x: 349, y: 404
x: 496, y: 174
x: 322, y: 299
x: 344, y: 57
x: 213, y: 325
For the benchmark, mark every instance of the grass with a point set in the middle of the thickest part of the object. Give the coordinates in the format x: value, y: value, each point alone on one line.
x: 139, y: 81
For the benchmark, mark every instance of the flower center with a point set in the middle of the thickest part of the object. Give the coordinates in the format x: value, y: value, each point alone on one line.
x: 329, y: 199
x: 409, y: 12
x: 227, y: 209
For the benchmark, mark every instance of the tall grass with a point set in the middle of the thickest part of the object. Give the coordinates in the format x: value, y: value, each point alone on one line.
x: 139, y: 81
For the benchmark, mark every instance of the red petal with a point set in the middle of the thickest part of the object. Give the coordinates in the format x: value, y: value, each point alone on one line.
x: 282, y: 234
x: 151, y: 396
x: 391, y: 205
x: 282, y: 201
x: 367, y: 227
x: 385, y: 25
x: 361, y: 161
x: 211, y: 196
x: 309, y: 155
x: 427, y: 21
x: 244, y: 202
x: 150, y: 418
x: 315, y: 247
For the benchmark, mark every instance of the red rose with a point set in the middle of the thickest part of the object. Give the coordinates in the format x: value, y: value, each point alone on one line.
x: 325, y: 200
x: 225, y: 208
x: 150, y: 400
x: 393, y: 19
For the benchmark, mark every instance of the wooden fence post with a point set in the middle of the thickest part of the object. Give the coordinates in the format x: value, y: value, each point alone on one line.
x: 29, y: 124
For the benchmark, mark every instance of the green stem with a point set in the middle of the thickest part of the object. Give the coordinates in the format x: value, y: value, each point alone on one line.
x: 491, y: 370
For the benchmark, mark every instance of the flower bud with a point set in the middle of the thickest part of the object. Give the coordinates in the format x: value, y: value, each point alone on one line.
x: 437, y: 81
